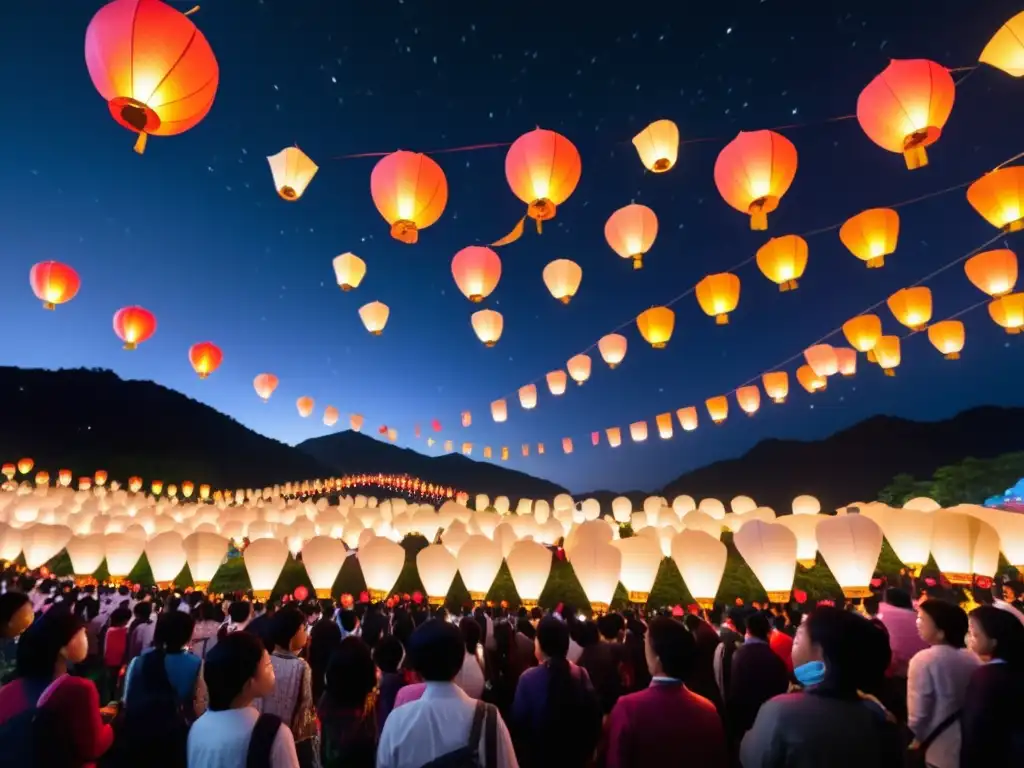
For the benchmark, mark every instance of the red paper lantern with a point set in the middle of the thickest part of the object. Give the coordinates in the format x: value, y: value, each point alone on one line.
x: 53, y: 283
x: 134, y: 325
x: 300, y: 593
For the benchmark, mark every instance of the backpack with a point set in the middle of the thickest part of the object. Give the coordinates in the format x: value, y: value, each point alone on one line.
x: 29, y: 737
x: 262, y: 741
x: 469, y: 755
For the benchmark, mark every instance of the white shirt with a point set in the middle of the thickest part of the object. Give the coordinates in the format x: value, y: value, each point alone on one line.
x: 434, y: 725
x: 575, y: 651
x: 471, y: 677
x: 937, y: 681
x: 221, y: 740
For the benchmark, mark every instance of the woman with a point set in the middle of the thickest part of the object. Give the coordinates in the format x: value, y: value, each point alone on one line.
x: 170, y: 638
x: 937, y: 681
x: 992, y: 731
x: 324, y: 640
x: 348, y: 708
x: 471, y: 676
x: 16, y: 615
x: 503, y: 669
x: 204, y: 635
x: 388, y: 656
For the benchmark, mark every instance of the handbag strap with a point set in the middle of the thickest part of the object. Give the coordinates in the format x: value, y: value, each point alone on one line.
x: 938, y: 731
x: 478, y: 724
x: 491, y: 737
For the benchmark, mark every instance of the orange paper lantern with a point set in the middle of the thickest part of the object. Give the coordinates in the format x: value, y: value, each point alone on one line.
x: 1008, y: 312
x: 476, y: 271
x: 631, y: 232
x: 612, y: 348
x: 871, y: 235
x: 718, y: 295
x: 562, y: 278
x: 687, y: 418
x: 656, y: 325
x: 776, y: 385
x: 847, y: 359
x: 664, y: 423
x: 265, y: 384
x: 999, y: 198
x: 579, y: 368
x: 556, y: 382
x: 410, y: 191
x: 809, y: 380
x: 823, y: 359
x: 994, y: 272
x: 749, y: 399
x: 718, y: 408
x: 887, y: 354
x: 863, y: 332
x: 205, y: 357
x: 754, y: 171
x: 614, y: 435
x: 305, y: 406
x: 948, y: 337
x: 53, y: 283
x: 542, y: 168
x: 912, y: 307
x: 134, y: 325
x: 783, y: 260
x: 1005, y: 51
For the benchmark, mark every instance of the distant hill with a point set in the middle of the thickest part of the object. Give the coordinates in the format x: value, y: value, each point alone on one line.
x: 856, y: 463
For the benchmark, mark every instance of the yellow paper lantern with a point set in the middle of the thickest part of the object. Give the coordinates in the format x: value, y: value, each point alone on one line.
x: 809, y: 380
x: 718, y: 295
x: 656, y: 325
x: 1008, y: 312
x: 381, y: 561
x: 947, y: 337
x: 783, y: 260
x: 1005, y: 51
x: 658, y: 145
x: 863, y: 333
x: 994, y: 272
x: 488, y: 325
x: 499, y: 411
x: 638, y: 431
x: 612, y: 348
x: 614, y: 435
x: 887, y: 353
x: 562, y: 278
x: 529, y: 564
x: 871, y: 235
x: 292, y: 171
x: 264, y: 559
x: 374, y: 316
x: 770, y: 551
x: 912, y: 307
x: 479, y: 560
x: 999, y: 198
x: 166, y: 555
x: 700, y: 558
x: 687, y: 418
x: 528, y: 396
x: 641, y: 558
x: 323, y: 557
x: 850, y: 545
x: 349, y: 271
x: 579, y: 368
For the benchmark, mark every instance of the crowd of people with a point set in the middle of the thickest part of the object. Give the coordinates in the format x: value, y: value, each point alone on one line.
x: 99, y: 676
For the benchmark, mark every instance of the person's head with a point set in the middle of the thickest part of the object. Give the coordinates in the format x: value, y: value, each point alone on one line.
x: 898, y: 598
x: 871, y: 605
x: 552, y: 639
x: 351, y: 674
x: 611, y: 626
x: 525, y: 627
x: 834, y: 637
x: 348, y: 621
x: 87, y: 608
x: 738, y: 617
x: 53, y: 642
x: 470, y: 629
x: 995, y: 633
x: 236, y: 671
x: 120, y: 617
x: 388, y: 654
x: 669, y: 648
x: 173, y: 630
x: 436, y: 651
x: 16, y: 614
x: 758, y: 626
x: 142, y: 612
x: 288, y: 629
x: 587, y: 634
x: 942, y: 623
x: 240, y: 611
x: 210, y: 612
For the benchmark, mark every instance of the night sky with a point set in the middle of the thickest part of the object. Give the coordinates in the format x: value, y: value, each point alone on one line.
x: 194, y: 231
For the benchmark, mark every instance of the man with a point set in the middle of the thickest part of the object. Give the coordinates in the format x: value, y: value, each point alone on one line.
x: 758, y: 674
x: 604, y: 661
x: 731, y: 632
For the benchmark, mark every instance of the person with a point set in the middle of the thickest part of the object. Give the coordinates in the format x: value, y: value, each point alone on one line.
x: 552, y: 700
x: 471, y: 676
x: 239, y: 618
x: 937, y: 679
x: 261, y: 622
x: 702, y: 676
x: 171, y: 636
x: 140, y: 631
x: 347, y: 709
x: 646, y: 728
x: 526, y: 634
x: 115, y: 649
x: 502, y: 667
x: 757, y: 675
x: 204, y: 635
x: 444, y: 721
x: 324, y: 640
x: 16, y: 615
x: 604, y: 659
x: 900, y: 619
x: 992, y: 732
x: 238, y: 671
x: 827, y: 723
x: 388, y: 655
x: 731, y: 631
x: 779, y: 641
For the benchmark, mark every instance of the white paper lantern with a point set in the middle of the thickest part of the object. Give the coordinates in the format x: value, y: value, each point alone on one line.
x: 530, y: 566
x: 701, y: 560
x: 436, y: 567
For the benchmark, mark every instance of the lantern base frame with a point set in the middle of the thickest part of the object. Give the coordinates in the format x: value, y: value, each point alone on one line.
x: 856, y: 593
x: 599, y: 608
x: 477, y: 597
x: 200, y: 586
x: 759, y: 210
x: 705, y: 603
x: 322, y: 593
x: 661, y: 165
x: 808, y: 563
x: 261, y: 594
x: 640, y: 598
x: 960, y: 579
x: 378, y: 595
x: 638, y: 260
x: 529, y: 604
x: 435, y: 601
x: 540, y: 211
x: 405, y: 231
x: 779, y: 596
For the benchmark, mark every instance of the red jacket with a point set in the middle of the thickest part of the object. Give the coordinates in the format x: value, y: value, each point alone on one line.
x: 782, y: 644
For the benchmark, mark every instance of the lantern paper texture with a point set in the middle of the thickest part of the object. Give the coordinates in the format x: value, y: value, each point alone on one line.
x: 850, y: 545
x: 530, y: 565
x: 770, y: 551
x: 436, y: 567
x: 700, y: 558
x: 479, y: 560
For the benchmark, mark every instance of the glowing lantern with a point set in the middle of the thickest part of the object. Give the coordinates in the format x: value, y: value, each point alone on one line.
x: 542, y: 168
x: 658, y: 145
x: 122, y: 553
x: 292, y: 171
x: 42, y: 478
x: 908, y: 530
x: 40, y: 543
x: 638, y: 431
x: 156, y: 487
x: 153, y: 66
x: 823, y: 359
x: 479, y: 560
x: 323, y: 557
x: 205, y: 358
x: 355, y: 422
x: 448, y: 446
x: 999, y: 198
x: 871, y: 235
x: 264, y: 560
x: 631, y: 232
x: 25, y: 466
x: 436, y: 567
x: 904, y: 108
x: 783, y: 260
x: 1005, y: 51
x: 499, y: 411
x: 134, y: 325
x: 770, y: 551
x: 641, y: 558
x: 528, y: 396
x: 410, y: 192
x: 994, y: 272
x: 700, y: 558
x: 374, y: 316
x: 204, y: 493
x: 562, y: 278
x: 529, y: 563
x: 86, y: 554
x: 1010, y: 528
x: 749, y: 399
x: 8, y: 472
x: 566, y: 445
x: 1008, y: 312
x: 614, y: 435
x: 912, y: 307
x: 718, y: 295
x: 850, y: 545
x: 863, y: 333
x: 166, y: 556
x: 467, y: 418
x: 656, y: 325
x: 476, y: 271
x: 887, y: 353
x: 134, y: 484
x: 804, y: 527
x: 349, y: 271
x: 53, y: 283
x: 100, y: 477
x: 687, y: 418
x: 947, y: 337
x: 718, y: 408
x: 809, y: 380
x: 467, y: 449
x: 526, y: 450
x: 331, y: 416
x: 963, y: 545
x: 753, y: 172
x: 557, y: 381
x: 579, y: 368
x: 612, y: 348
x: 187, y: 488
x: 488, y: 325
x: 265, y: 384
x: 597, y: 566
x: 664, y: 422
x: 64, y: 477
x: 847, y: 359
x: 305, y: 405
x: 776, y: 385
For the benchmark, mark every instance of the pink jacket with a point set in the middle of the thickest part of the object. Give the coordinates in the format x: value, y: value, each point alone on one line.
x: 901, y: 624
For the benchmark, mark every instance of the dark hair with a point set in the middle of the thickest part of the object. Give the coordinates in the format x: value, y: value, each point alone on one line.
x: 526, y: 628
x: 610, y: 625
x: 871, y: 605
x: 588, y: 634
x: 692, y: 622
x: 142, y: 612
x: 758, y: 626
x: 39, y: 647
x: 876, y: 656
x: 553, y: 637
x: 436, y: 651
x: 839, y: 634
x: 229, y: 665
x: 324, y: 639
x: 10, y: 604
x: 674, y: 646
x: 120, y: 617
x: 351, y: 674
x: 348, y: 621
x: 87, y: 608
x: 470, y: 630
x: 738, y: 617
x: 950, y: 619
x: 173, y: 630
x: 210, y: 612
x: 899, y: 598
x: 388, y: 654
x: 239, y: 611
x: 284, y: 624
x: 1003, y: 627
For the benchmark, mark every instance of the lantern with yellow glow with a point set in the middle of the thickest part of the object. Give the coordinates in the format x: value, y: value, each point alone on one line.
x: 42, y: 478
x: 783, y: 260
x: 999, y: 198
x: 822, y: 359
x: 656, y: 325
x: 204, y: 491
x: 658, y: 145
x: 613, y: 348
x: 86, y: 555
x: 53, y: 283
x: 331, y: 416
x: 847, y: 359
x: 542, y: 168
x: 64, y: 477
x: 562, y: 278
x: 579, y: 368
x: 292, y: 171
x: 349, y: 271
x: 700, y: 558
x: 614, y: 435
x: 355, y: 421
x: 264, y: 560
x: 687, y: 418
x: 776, y: 385
x: 1005, y: 51
x: 863, y: 333
x: 1008, y: 312
x: 122, y: 552
x: 809, y: 380
x: 529, y: 563
x: 40, y: 543
x: 499, y: 411
x: 904, y: 108
x: 641, y: 558
x: 153, y: 67
x: 134, y: 325
x: 323, y: 557
x: 887, y: 353
x: 479, y: 560
x: 477, y: 271
x: 187, y: 489
x: 754, y: 171
x: 566, y: 446
x: 265, y: 384
x: 638, y: 431
x: 947, y: 337
x: 436, y: 567
x: 557, y: 381
x: 718, y: 408
x: 749, y: 399
x: 134, y: 483
x: 8, y: 470
x: 963, y: 546
x: 770, y: 551
x: 850, y: 545
x: 597, y: 566
x: 664, y: 423
x: 1010, y: 528
x: 305, y: 406
x: 488, y: 325
x: 205, y: 357
x: 804, y: 527
x: 718, y: 295
x: 448, y: 446
x: 467, y: 449
x: 156, y: 487
x: 166, y: 555
x: 467, y: 418
x: 410, y: 191
x: 374, y: 316
x: 871, y: 235
x: 912, y: 307
x: 909, y: 531
x: 631, y: 232
x: 528, y: 396
x: 994, y: 272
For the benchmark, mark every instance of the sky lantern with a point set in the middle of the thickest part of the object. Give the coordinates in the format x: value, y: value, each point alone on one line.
x: 100, y: 477
x: 641, y: 558
x: 437, y: 567
x: 134, y: 325
x: 776, y: 385
x: 809, y: 380
x: 614, y: 435
x: 850, y: 545
x: 42, y: 478
x: 467, y: 418
x: 822, y: 359
x: 265, y: 384
x: 566, y: 445
x: 783, y: 260
x: 994, y: 272
x: 770, y: 551
x: 374, y: 316
x: 488, y: 325
x: 562, y: 278
x: 753, y: 172
x: 355, y: 421
x: 613, y: 349
x: 529, y: 564
x: 959, y: 542
x: 658, y: 146
x: 264, y: 559
x: 700, y: 558
x: 749, y: 399
x: 656, y: 325
x: 64, y: 477
x: 322, y: 557
x: 718, y: 295
x: 528, y: 396
x: 912, y: 307
x: 187, y: 489
x: 947, y: 337
x: 479, y: 559
x: 1008, y: 312
x: 134, y: 483
x: 153, y: 66
x: 904, y: 108
x: 542, y: 168
x: 557, y: 381
x: 1005, y: 51
x: 687, y: 418
x: 871, y: 235
x: 86, y: 555
x: 305, y: 406
x: 53, y: 283
x: 292, y: 171
x: 349, y: 271
x: 41, y: 542
x: 847, y: 359
x: 999, y: 198
x: 156, y: 487
x: 499, y: 411
x: 597, y: 565
x: 410, y: 191
x: 476, y: 270
x: 121, y: 552
x: 863, y: 333
x: 887, y: 354
x: 804, y: 527
x: 664, y: 423
x: 631, y: 232
x: 638, y: 431
x: 579, y: 368
x: 331, y: 416
x: 205, y: 357
x: 166, y: 557
x: 718, y: 408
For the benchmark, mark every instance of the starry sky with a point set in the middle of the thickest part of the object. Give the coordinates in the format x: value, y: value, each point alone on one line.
x: 194, y: 231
